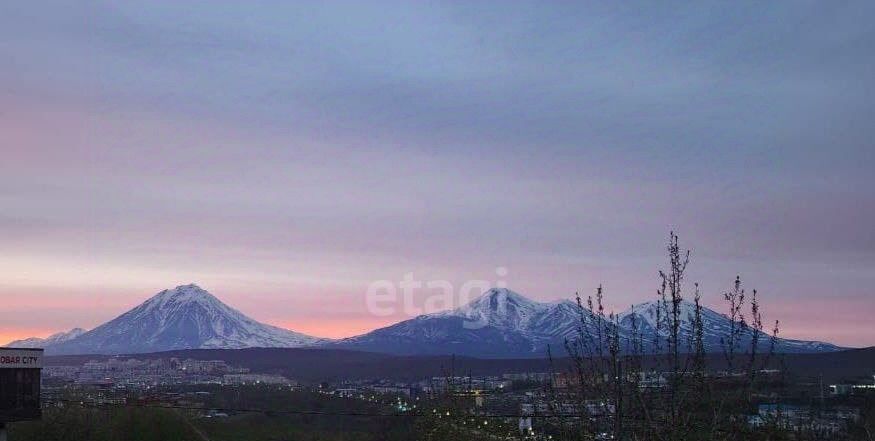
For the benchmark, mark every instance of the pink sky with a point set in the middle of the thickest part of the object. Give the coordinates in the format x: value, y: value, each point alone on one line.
x: 285, y: 158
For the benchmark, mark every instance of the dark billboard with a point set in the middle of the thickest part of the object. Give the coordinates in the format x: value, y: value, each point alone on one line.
x: 20, y: 384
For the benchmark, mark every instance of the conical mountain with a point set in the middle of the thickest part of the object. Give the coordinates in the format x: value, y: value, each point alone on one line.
x: 186, y: 317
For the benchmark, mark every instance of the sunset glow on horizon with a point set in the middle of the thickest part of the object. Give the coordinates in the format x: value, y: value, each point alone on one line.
x: 286, y: 157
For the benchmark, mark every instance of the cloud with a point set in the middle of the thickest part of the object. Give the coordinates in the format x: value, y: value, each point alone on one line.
x: 301, y: 145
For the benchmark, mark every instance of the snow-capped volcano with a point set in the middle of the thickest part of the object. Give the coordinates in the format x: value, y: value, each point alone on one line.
x: 186, y: 317
x: 54, y: 339
x: 507, y: 310
x: 499, y: 323
x: 501, y: 308
x: 502, y: 323
x: 715, y: 328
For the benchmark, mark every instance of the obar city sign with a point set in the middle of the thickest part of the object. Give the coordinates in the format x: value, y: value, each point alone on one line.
x: 19, y: 385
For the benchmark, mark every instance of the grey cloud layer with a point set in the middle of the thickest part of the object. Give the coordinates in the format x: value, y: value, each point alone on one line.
x: 444, y: 134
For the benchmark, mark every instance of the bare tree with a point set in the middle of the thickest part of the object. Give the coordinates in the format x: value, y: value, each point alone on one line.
x: 651, y: 379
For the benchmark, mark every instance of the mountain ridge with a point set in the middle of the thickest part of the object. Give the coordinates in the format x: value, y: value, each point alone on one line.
x: 36, y: 342
x: 500, y: 323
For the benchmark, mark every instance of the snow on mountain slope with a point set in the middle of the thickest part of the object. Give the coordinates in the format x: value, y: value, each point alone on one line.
x: 644, y: 316
x: 186, y: 317
x: 499, y: 323
x: 509, y: 311
x: 502, y: 323
x: 36, y: 342
x: 715, y: 328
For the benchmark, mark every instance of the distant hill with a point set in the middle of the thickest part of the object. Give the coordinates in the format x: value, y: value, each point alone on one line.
x: 312, y: 365
x: 52, y: 340
x: 834, y: 366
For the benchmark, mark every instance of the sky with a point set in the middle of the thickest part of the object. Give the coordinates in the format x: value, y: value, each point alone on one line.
x: 285, y: 156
